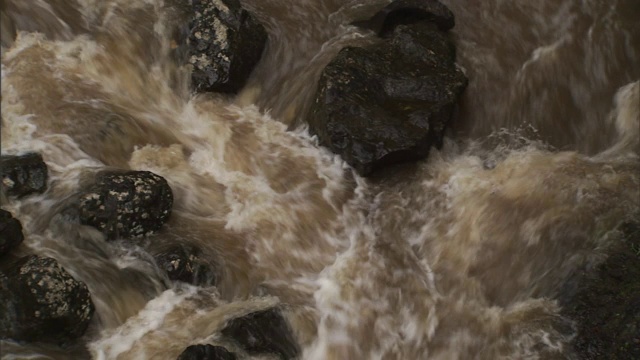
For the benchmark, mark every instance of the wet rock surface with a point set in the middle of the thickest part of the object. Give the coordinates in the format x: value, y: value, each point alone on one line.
x: 126, y: 204
x: 263, y: 332
x: 206, y: 352
x: 402, y: 12
x: 42, y: 302
x: 10, y: 232
x: 389, y: 102
x: 605, y: 304
x: 23, y: 175
x: 183, y: 263
x: 224, y: 44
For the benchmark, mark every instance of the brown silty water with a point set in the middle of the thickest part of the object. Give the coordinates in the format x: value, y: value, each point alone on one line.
x: 461, y: 256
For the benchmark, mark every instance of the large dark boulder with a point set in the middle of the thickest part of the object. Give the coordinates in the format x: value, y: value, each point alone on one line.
x: 23, y: 174
x: 388, y: 102
x: 206, y: 352
x: 10, y: 232
x: 263, y: 332
x: 184, y: 263
x: 224, y: 44
x: 126, y: 204
x: 42, y: 302
x: 605, y: 303
x: 406, y: 12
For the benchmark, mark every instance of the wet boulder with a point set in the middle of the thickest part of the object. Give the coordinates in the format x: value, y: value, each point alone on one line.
x: 406, y: 12
x: 263, y: 332
x: 42, y: 302
x: 206, y: 352
x: 184, y: 263
x: 23, y: 174
x: 388, y: 102
x: 10, y: 232
x: 126, y: 204
x: 224, y: 44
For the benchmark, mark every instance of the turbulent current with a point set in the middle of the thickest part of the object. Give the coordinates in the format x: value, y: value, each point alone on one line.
x: 463, y: 255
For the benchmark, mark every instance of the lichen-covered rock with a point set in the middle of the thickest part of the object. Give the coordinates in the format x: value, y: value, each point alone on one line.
x: 10, y: 232
x: 405, y: 12
x: 225, y: 43
x: 206, y: 352
x: 126, y: 204
x: 389, y: 102
x: 42, y: 302
x: 183, y: 263
x: 23, y: 174
x: 605, y: 303
x: 263, y: 332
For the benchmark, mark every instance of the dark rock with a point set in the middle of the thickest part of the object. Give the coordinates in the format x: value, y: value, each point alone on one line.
x: 126, y: 204
x: 405, y: 12
x: 606, y: 305
x: 42, y: 302
x: 263, y: 332
x: 390, y: 102
x: 224, y: 45
x: 206, y: 352
x: 10, y: 232
x: 183, y: 263
x: 23, y: 175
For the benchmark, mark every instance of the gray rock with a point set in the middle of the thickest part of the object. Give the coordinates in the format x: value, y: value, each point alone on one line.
x: 206, y: 352
x: 263, y: 332
x: 10, y: 232
x: 390, y: 102
x: 42, y: 302
x: 224, y: 44
x: 23, y: 175
x: 126, y: 204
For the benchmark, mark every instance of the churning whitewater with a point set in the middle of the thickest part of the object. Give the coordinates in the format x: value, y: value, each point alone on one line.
x: 463, y: 255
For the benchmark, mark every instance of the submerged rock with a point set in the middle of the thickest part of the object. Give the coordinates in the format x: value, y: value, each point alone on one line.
x: 224, y: 44
x: 405, y: 12
x: 206, y: 352
x: 389, y: 102
x: 126, y: 204
x: 10, y: 232
x: 23, y: 175
x: 42, y: 302
x: 263, y: 332
x: 183, y: 263
x: 606, y: 304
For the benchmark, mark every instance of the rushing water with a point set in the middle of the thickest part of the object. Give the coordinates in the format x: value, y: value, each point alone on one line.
x: 461, y: 256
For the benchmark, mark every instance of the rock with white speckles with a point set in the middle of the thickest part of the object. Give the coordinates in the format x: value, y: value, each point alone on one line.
x: 389, y: 102
x: 126, y: 204
x: 10, y: 232
x: 42, y: 302
x: 224, y: 44
x: 24, y: 174
x: 183, y: 263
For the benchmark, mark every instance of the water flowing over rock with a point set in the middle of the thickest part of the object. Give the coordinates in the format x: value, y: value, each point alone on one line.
x: 224, y: 45
x: 408, y: 12
x: 10, y: 232
x: 263, y: 332
x: 183, y: 263
x: 42, y: 302
x: 23, y: 175
x: 126, y: 204
x: 389, y: 102
x: 206, y: 352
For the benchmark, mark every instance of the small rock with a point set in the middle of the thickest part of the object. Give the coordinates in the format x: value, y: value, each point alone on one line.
x: 183, y: 263
x: 42, y: 302
x: 24, y: 174
x: 224, y: 45
x: 404, y: 12
x: 206, y: 352
x: 263, y: 332
x: 126, y: 204
x: 10, y: 232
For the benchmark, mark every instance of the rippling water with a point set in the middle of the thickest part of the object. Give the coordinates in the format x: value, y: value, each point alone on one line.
x: 460, y: 256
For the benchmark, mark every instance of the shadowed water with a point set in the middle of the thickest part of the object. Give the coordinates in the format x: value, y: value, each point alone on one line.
x: 460, y: 256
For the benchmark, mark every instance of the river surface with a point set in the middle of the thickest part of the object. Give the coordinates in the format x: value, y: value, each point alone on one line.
x: 462, y: 256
